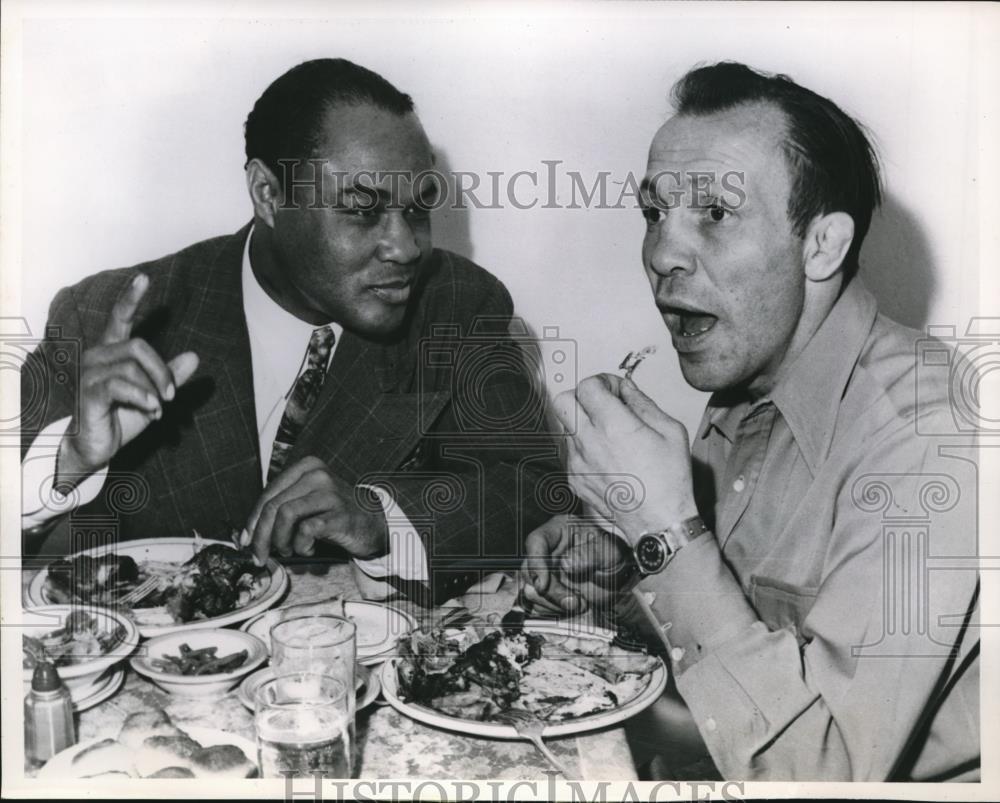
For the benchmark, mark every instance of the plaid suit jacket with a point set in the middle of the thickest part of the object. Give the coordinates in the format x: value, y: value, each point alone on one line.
x: 446, y: 415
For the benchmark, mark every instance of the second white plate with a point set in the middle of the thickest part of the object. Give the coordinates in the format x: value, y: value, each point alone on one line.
x: 655, y: 684
x: 379, y: 626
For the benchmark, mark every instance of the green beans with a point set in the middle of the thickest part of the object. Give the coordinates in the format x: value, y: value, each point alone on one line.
x: 199, y: 662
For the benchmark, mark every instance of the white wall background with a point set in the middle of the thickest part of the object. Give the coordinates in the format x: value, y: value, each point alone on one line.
x: 130, y: 137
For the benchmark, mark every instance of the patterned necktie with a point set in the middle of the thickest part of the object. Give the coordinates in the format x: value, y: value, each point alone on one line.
x: 302, y: 399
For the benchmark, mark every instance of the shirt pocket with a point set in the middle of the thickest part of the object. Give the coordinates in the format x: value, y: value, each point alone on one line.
x: 781, y: 605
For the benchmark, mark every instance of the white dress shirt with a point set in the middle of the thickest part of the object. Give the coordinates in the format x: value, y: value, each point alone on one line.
x: 278, y: 345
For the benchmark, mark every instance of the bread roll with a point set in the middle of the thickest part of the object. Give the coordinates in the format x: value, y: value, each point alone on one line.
x: 106, y: 756
x: 110, y: 774
x: 172, y: 772
x: 160, y: 752
x: 140, y: 726
x: 223, y: 761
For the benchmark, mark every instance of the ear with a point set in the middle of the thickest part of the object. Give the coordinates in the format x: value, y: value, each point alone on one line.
x: 265, y: 191
x: 826, y: 244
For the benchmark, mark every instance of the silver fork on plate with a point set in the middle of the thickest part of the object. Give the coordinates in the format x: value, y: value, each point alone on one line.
x: 140, y: 592
x: 531, y: 727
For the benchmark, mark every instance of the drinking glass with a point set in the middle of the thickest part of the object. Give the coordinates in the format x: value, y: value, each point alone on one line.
x: 302, y: 725
x: 320, y: 643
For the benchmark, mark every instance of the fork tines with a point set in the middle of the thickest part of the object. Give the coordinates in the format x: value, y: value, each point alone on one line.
x: 139, y: 592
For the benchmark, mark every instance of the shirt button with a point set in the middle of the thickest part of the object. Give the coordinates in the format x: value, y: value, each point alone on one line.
x: 739, y: 484
x: 710, y: 724
x: 677, y: 653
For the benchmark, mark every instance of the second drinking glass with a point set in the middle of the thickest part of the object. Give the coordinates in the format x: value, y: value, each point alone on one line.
x: 321, y: 643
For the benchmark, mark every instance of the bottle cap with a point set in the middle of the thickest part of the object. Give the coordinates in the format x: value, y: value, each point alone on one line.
x: 45, y: 678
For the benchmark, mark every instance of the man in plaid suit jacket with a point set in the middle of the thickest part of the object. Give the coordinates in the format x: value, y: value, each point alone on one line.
x: 151, y: 369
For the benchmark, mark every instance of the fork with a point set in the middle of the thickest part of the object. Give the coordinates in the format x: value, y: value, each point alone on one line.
x: 140, y: 592
x: 531, y: 728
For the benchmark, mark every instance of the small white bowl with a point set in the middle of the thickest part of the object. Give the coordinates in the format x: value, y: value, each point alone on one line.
x: 227, y: 642
x: 84, y: 678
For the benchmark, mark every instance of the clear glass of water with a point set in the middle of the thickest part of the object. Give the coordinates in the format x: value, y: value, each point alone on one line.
x: 322, y: 643
x: 302, y: 722
x: 319, y: 643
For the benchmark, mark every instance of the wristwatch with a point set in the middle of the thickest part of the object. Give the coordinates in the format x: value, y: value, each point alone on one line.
x: 654, y: 550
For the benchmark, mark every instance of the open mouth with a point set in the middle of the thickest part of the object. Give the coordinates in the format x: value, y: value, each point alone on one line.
x: 687, y: 322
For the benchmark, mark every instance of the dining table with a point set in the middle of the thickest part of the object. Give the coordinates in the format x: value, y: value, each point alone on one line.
x: 389, y: 744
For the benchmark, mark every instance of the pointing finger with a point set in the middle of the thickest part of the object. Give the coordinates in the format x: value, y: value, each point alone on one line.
x: 119, y: 326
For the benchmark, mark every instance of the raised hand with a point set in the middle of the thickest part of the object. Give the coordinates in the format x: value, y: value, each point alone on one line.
x: 619, y: 431
x: 123, y: 386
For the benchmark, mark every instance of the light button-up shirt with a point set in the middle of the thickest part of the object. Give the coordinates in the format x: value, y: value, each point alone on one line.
x: 809, y: 634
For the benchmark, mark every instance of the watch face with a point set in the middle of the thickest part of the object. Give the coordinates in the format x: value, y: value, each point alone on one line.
x: 650, y: 553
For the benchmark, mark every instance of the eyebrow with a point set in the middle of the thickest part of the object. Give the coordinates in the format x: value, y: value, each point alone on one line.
x: 431, y: 189
x: 646, y: 186
x: 363, y: 189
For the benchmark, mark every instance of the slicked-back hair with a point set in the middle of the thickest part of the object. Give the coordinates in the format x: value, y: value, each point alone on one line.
x: 287, y: 121
x: 832, y: 162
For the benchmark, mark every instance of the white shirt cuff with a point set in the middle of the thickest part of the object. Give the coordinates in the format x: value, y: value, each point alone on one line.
x: 407, y: 558
x: 40, y: 502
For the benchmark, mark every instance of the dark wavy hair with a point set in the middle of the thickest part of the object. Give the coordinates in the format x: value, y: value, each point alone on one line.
x: 287, y: 120
x: 833, y: 164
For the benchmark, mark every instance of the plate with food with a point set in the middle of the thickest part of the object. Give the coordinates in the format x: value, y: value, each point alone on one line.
x: 166, y: 584
x: 378, y: 626
x: 206, y: 662
x: 84, y: 644
x: 150, y: 745
x: 572, y: 679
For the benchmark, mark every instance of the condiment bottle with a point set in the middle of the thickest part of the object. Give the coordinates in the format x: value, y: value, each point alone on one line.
x: 48, y: 715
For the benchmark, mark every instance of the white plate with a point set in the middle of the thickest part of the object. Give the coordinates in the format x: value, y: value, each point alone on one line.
x: 368, y: 691
x: 379, y: 626
x: 106, y: 689
x: 60, y: 766
x: 174, y: 550
x: 655, y: 684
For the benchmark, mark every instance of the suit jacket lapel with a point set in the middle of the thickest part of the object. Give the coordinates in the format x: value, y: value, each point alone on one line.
x: 364, y: 420
x: 222, y: 472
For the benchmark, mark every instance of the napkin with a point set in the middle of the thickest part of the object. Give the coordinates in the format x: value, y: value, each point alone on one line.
x: 492, y: 596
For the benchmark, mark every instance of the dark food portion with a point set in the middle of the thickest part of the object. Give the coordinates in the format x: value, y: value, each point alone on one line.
x: 199, y: 662
x: 217, y: 580
x: 434, y: 670
x: 200, y: 596
x: 100, y: 580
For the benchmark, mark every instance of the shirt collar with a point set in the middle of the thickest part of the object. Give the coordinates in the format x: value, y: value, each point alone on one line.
x: 270, y: 325
x: 810, y: 393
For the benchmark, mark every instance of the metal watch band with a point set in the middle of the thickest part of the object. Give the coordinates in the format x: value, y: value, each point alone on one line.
x: 654, y: 550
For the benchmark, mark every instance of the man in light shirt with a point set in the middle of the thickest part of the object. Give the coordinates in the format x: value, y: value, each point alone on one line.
x: 301, y: 380
x: 808, y: 566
